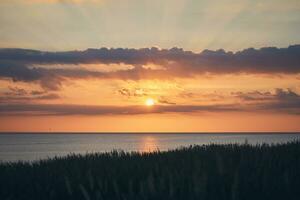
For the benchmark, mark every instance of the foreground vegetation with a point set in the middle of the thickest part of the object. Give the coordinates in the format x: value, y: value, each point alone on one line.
x: 198, y: 172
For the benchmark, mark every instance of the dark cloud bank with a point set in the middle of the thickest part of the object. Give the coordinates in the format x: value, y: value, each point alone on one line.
x: 21, y: 64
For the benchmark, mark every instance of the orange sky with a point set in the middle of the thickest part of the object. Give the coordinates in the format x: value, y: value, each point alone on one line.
x: 91, y: 65
x: 240, y: 95
x: 205, y: 122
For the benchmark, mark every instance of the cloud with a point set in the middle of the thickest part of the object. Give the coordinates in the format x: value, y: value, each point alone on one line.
x: 25, y: 99
x: 20, y: 95
x: 264, y: 60
x: 52, y: 78
x: 165, y: 101
x: 287, y: 95
x: 253, y: 95
x: 135, y: 92
x: 282, y: 101
x: 18, y: 71
x: 15, y: 91
x: 280, y: 95
x: 61, y: 109
x: 29, y: 65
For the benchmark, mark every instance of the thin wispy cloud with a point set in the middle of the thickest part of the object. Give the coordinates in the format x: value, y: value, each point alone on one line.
x: 281, y: 104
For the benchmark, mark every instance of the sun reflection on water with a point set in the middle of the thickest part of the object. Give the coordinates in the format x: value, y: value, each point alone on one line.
x: 149, y: 144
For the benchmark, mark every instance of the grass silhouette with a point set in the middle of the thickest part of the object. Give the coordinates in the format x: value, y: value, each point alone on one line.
x: 229, y: 171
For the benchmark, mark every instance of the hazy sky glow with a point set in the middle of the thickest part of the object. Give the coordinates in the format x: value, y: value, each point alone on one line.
x: 92, y: 65
x: 189, y: 24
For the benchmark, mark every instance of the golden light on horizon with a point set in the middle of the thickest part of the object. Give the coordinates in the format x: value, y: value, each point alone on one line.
x: 149, y: 102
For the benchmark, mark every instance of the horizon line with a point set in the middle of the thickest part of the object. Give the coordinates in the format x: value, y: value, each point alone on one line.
x: 149, y: 132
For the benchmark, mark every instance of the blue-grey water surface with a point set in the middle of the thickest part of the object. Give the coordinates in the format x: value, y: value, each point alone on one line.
x: 30, y: 147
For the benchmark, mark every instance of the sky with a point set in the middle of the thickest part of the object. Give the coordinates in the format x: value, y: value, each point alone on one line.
x: 144, y: 66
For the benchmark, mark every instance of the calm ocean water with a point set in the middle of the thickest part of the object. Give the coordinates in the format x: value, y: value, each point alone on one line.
x: 29, y: 147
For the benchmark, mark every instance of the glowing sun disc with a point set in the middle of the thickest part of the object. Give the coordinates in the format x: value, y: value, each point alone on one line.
x: 149, y: 102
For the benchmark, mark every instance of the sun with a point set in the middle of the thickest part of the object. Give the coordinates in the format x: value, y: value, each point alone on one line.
x: 149, y: 102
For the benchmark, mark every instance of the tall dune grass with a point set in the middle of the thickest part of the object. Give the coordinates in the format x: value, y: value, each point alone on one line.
x: 228, y: 171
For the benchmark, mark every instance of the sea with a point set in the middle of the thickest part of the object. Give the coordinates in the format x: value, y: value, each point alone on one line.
x: 36, y: 146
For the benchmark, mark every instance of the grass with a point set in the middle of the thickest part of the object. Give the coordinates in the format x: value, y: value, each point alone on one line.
x: 212, y: 171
